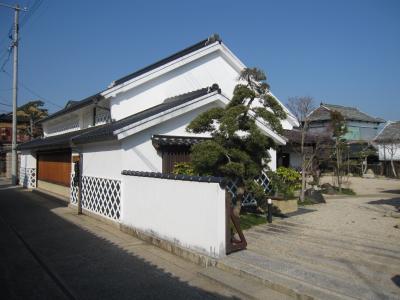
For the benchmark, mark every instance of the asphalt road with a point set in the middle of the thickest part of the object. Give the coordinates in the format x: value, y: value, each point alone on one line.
x: 43, y: 256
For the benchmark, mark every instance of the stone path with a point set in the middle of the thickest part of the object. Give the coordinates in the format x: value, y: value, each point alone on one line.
x: 347, y: 248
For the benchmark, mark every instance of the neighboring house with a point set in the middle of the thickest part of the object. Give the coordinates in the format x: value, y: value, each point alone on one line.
x: 360, y: 126
x: 138, y: 123
x: 388, y: 143
x: 315, y: 144
x: 6, y: 140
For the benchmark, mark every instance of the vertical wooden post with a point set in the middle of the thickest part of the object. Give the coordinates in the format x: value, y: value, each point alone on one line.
x: 80, y: 185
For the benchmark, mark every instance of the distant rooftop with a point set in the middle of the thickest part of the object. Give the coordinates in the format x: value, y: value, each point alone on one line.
x: 322, y: 113
x: 390, y: 133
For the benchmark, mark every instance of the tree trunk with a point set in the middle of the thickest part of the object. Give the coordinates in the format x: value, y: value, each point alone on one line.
x: 393, y: 168
x: 31, y: 128
x: 338, y: 166
x: 239, y: 199
x: 303, y: 180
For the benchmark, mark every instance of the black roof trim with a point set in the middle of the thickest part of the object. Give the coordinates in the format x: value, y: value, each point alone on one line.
x: 212, y: 39
x: 210, y: 179
x: 106, y: 131
x: 174, y: 140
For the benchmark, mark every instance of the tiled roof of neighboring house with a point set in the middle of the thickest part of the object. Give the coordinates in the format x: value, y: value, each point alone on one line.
x: 171, y: 140
x: 71, y: 106
x: 104, y: 131
x: 294, y: 136
x: 390, y: 133
x: 322, y: 113
x: 7, y: 118
x: 74, y: 105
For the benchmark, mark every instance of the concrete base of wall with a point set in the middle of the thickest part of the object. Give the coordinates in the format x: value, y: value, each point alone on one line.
x: 54, y: 188
x: 286, y: 206
x: 177, y: 250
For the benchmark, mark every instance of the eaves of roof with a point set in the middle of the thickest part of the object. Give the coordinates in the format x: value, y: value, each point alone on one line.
x: 111, y: 128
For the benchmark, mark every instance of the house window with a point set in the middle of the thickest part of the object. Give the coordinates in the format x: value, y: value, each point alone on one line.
x: 173, y: 155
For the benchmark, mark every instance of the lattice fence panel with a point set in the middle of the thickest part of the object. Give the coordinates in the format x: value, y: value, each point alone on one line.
x: 73, y: 191
x: 27, y: 177
x: 102, y: 196
x: 248, y: 199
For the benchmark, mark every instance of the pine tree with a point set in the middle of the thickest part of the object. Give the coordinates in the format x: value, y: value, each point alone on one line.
x: 34, y: 112
x: 239, y: 149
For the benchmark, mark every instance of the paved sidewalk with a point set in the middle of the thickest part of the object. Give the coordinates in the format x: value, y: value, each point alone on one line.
x: 345, y: 249
x: 47, y: 251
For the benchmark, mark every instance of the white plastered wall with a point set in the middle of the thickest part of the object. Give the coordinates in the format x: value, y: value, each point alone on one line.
x: 385, y: 154
x: 103, y: 160
x: 207, y: 70
x: 136, y: 152
x: 188, y: 214
x: 28, y: 160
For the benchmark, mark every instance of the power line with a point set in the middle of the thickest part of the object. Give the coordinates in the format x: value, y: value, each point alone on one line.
x: 5, y: 104
x: 32, y: 91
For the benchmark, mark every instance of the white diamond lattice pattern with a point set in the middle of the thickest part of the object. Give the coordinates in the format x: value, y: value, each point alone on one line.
x: 248, y: 199
x: 27, y: 177
x: 74, y: 191
x: 102, y: 196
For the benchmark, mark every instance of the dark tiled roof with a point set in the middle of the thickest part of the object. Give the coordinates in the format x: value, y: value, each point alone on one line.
x: 322, y: 113
x: 390, y: 133
x: 211, y: 179
x: 106, y: 130
x: 212, y: 39
x: 7, y: 118
x: 71, y: 106
x: 294, y: 137
x: 172, y: 140
x: 52, y: 142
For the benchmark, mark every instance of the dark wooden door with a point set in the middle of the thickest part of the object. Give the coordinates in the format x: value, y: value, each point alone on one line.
x: 55, y: 167
x: 170, y: 158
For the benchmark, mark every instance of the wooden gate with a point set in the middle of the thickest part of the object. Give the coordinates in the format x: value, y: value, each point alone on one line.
x: 55, y: 167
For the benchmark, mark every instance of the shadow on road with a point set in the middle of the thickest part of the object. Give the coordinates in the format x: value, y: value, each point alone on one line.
x: 42, y: 254
x: 395, y: 202
x: 391, y: 191
x: 396, y: 280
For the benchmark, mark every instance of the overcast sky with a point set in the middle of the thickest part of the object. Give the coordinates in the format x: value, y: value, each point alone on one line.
x: 339, y: 52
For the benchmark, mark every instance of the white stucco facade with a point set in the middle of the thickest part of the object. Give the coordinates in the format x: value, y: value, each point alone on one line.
x: 188, y: 214
x: 386, y: 152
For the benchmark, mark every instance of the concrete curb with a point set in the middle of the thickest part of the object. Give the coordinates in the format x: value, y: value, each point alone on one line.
x: 199, y: 259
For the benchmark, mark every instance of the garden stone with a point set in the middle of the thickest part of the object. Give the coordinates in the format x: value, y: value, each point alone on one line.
x: 369, y: 174
x: 327, y: 188
x: 315, y: 196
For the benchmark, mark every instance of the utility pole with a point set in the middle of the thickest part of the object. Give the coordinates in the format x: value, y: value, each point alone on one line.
x: 14, y: 158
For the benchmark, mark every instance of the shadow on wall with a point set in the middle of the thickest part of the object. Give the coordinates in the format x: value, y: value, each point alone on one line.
x: 87, y: 266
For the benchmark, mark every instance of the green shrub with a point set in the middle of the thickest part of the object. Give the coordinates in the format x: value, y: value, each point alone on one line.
x: 285, y: 181
x: 184, y: 168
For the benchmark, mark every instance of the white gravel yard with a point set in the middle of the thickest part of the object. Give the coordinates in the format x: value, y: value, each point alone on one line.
x: 346, y: 248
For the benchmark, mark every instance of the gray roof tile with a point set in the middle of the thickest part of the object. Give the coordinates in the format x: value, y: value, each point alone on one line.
x: 390, y: 133
x: 322, y: 113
